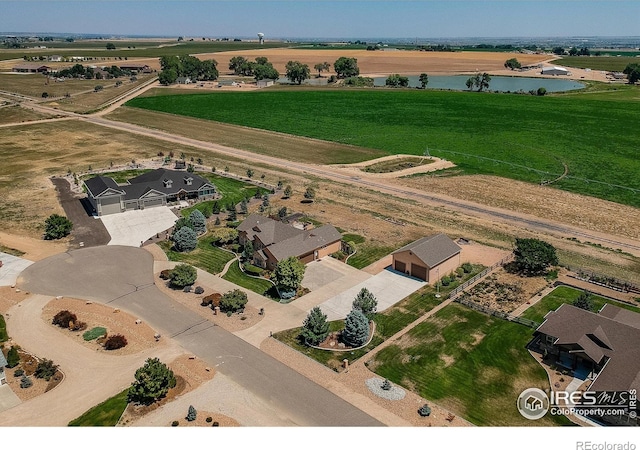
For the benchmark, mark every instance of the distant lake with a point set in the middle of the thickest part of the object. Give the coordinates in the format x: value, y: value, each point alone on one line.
x: 497, y: 83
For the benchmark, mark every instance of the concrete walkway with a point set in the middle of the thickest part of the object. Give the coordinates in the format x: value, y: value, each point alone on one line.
x: 8, y: 398
x: 11, y: 268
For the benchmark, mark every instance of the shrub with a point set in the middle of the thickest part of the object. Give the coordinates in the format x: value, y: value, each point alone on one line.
x: 25, y: 382
x: 186, y: 289
x: 191, y: 414
x: 13, y: 358
x: 115, y: 342
x: 445, y: 280
x: 64, y: 319
x: 152, y: 381
x: 215, y: 424
x: 165, y: 274
x: 209, y: 419
x: 212, y: 300
x: 183, y: 275
x: 46, y: 369
x: 386, y: 385
x: 467, y: 267
x: 198, y: 290
x: 175, y: 423
x: 233, y: 301
x: 18, y: 373
x: 78, y: 326
x: 94, y: 333
x: 57, y: 227
x: 424, y: 410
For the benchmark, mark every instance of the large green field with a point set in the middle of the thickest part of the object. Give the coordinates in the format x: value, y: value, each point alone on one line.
x: 607, y: 63
x: 516, y: 136
x: 470, y: 363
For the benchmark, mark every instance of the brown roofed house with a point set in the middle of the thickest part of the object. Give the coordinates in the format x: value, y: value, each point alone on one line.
x: 429, y: 258
x: 274, y: 241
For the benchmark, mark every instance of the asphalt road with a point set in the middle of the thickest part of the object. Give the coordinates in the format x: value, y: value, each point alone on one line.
x: 123, y: 277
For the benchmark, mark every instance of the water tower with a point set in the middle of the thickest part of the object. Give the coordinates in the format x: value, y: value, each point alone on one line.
x: 261, y: 38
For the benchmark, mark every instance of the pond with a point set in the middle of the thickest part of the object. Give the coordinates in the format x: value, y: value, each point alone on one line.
x: 498, y: 83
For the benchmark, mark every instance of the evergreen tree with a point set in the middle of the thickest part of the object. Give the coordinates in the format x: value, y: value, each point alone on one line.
x: 199, y: 221
x: 366, y: 302
x: 216, y: 208
x: 191, y: 414
x: 56, y: 227
x: 185, y: 240
x: 247, y: 253
x: 152, y: 382
x: 244, y: 208
x: 287, y: 191
x: 584, y: 301
x: 183, y: 275
x: 315, y: 327
x: 13, y: 358
x: 356, y: 329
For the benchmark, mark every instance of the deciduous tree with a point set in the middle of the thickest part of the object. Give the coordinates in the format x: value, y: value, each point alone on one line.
x: 322, y: 67
x: 424, y: 80
x: 233, y: 301
x: 288, y: 274
x: 57, y: 227
x: 512, y: 64
x: 346, y: 67
x: 533, y: 256
x: 297, y: 72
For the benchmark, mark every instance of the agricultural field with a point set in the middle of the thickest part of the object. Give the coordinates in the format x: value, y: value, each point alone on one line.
x: 521, y: 137
x: 16, y: 114
x: 606, y: 63
x: 143, y: 49
x: 472, y: 364
x: 564, y: 294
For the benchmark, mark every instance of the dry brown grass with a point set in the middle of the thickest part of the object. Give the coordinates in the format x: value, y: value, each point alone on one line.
x: 380, y: 62
x: 15, y: 114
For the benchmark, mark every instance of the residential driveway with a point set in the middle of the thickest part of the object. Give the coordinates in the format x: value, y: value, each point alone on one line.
x: 134, y: 227
x: 86, y: 229
x: 11, y: 268
x: 388, y: 286
x: 123, y: 277
x: 320, y: 273
x: 8, y: 399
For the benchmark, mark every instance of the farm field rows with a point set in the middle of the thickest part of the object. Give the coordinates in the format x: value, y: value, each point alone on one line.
x: 607, y: 63
x: 515, y: 136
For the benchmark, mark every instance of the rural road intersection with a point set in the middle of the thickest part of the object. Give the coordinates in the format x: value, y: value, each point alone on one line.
x: 123, y: 277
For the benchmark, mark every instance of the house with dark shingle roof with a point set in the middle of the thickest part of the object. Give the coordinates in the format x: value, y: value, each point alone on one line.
x: 274, y: 241
x: 155, y: 188
x: 429, y: 258
x: 605, y: 344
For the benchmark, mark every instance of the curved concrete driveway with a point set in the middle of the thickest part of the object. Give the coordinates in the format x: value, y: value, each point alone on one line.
x: 123, y: 277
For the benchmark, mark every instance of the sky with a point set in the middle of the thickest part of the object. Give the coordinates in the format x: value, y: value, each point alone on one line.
x: 325, y: 18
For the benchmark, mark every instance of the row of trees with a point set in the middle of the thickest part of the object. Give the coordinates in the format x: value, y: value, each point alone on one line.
x: 187, y: 66
x: 260, y: 69
x: 479, y: 81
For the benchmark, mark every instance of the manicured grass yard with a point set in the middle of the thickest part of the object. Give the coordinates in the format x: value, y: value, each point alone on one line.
x: 106, y: 414
x: 121, y: 176
x: 236, y: 276
x: 388, y: 323
x: 565, y: 294
x: 588, y: 133
x: 231, y: 191
x: 470, y: 363
x: 206, y: 256
x: 369, y: 253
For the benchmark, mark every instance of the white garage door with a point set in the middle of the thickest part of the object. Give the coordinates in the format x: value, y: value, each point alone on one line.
x: 152, y: 202
x: 110, y: 206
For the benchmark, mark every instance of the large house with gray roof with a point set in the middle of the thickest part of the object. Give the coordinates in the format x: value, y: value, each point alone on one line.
x: 155, y: 188
x: 603, y: 345
x: 274, y: 241
x: 429, y: 258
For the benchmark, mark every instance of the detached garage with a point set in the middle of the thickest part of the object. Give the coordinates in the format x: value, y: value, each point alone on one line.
x: 429, y: 258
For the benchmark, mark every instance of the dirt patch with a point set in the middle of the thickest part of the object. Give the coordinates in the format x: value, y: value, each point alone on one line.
x: 236, y: 322
x: 140, y: 336
x: 34, y: 249
x: 448, y: 360
x: 10, y: 296
x: 504, y: 291
x: 28, y: 364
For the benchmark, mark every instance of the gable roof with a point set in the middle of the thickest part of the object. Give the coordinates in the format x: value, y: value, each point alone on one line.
x: 598, y: 337
x: 269, y: 231
x: 99, y: 185
x: 432, y: 250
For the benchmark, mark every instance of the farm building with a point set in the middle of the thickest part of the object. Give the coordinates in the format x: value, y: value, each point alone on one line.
x: 265, y: 83
x: 55, y: 58
x: 155, y: 188
x: 144, y: 68
x: 274, y: 241
x: 31, y: 68
x: 429, y: 258
x: 183, y: 80
x: 555, y: 70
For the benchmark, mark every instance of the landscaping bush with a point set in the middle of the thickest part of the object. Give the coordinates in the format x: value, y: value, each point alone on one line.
x: 191, y: 414
x: 425, y: 410
x: 25, y: 382
x: 152, y: 382
x: 212, y: 300
x: 165, y: 274
x: 64, y: 319
x: 77, y: 326
x: 115, y: 342
x: 183, y: 275
x: 215, y: 424
x: 209, y: 419
x: 175, y: 423
x: 57, y: 227
x: 186, y: 289
x: 233, y: 301
x: 94, y: 333
x: 198, y: 290
x: 46, y: 369
x: 18, y: 373
x: 13, y: 358
x: 467, y: 267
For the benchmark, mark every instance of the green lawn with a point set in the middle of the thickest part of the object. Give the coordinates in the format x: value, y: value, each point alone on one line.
x: 607, y: 63
x: 565, y: 294
x: 507, y: 135
x: 236, y: 276
x: 369, y: 253
x: 121, y: 176
x: 3, y: 329
x: 230, y: 189
x: 106, y: 414
x: 206, y: 256
x: 388, y: 323
x: 473, y: 364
